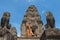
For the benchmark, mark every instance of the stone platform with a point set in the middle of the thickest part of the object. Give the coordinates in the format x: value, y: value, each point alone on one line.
x: 28, y: 38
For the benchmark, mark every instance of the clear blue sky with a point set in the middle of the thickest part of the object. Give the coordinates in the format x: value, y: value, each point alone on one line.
x: 18, y: 8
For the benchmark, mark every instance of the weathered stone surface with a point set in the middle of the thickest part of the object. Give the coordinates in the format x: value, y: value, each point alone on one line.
x: 5, y: 20
x: 7, y: 36
x: 32, y: 27
x: 52, y: 31
x: 50, y: 20
x: 32, y: 24
x: 13, y: 32
x: 28, y: 38
x: 5, y: 33
x: 53, y: 34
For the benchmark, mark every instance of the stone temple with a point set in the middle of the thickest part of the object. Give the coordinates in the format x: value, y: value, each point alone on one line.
x: 32, y: 27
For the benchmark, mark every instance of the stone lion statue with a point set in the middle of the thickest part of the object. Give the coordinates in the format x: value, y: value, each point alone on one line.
x: 5, y: 20
x: 50, y: 20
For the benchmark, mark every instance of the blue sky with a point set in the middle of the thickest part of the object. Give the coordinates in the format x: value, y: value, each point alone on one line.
x: 18, y: 8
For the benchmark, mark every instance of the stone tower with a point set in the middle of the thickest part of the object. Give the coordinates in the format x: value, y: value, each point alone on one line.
x: 32, y: 25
